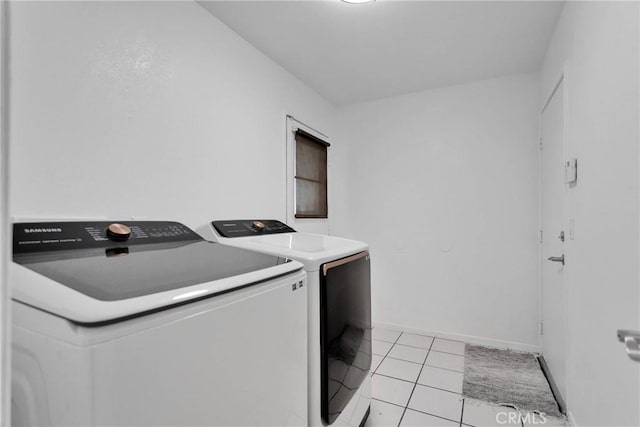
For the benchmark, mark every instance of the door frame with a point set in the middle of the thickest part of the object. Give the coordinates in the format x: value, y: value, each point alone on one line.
x: 561, y: 79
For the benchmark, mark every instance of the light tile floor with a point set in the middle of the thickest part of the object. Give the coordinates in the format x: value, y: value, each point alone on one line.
x: 417, y: 381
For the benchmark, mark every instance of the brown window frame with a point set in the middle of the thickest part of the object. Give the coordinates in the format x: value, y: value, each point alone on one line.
x: 302, y: 137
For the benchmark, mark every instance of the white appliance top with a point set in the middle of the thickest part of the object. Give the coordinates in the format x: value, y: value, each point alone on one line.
x: 276, y: 238
x: 99, y: 272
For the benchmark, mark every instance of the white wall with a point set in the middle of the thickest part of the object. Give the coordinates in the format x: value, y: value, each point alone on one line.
x: 5, y: 230
x: 598, y: 42
x: 443, y: 185
x: 158, y: 110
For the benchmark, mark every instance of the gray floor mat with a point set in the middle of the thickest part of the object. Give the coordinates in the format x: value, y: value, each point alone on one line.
x: 507, y: 377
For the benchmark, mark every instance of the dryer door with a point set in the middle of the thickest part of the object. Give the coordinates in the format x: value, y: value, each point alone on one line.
x: 345, y: 331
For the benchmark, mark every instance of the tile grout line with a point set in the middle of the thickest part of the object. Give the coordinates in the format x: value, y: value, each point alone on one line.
x: 418, y: 347
x: 432, y: 415
x: 396, y: 378
x: 387, y: 353
x: 416, y: 382
x: 444, y: 369
x: 419, y: 363
x: 415, y: 410
x: 448, y: 352
x: 405, y: 360
x: 387, y: 402
x: 423, y: 385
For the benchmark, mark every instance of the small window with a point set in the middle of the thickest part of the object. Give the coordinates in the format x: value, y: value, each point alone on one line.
x: 311, y: 176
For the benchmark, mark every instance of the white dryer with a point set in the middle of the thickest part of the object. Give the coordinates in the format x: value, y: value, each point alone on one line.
x: 339, y: 293
x: 144, y: 323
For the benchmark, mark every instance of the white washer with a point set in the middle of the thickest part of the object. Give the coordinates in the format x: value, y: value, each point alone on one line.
x: 338, y: 277
x: 149, y: 325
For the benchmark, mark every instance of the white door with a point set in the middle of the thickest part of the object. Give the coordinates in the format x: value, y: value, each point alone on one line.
x: 554, y: 303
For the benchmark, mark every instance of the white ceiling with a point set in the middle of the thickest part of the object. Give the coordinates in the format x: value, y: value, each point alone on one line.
x: 351, y: 53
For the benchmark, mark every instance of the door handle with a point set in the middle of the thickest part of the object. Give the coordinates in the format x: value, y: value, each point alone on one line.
x: 631, y: 340
x: 557, y: 259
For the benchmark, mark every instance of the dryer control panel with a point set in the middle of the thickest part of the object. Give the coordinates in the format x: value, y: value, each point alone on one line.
x: 31, y: 237
x: 250, y: 227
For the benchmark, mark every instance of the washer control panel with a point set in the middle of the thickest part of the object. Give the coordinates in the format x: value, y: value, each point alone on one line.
x: 53, y: 236
x: 250, y: 227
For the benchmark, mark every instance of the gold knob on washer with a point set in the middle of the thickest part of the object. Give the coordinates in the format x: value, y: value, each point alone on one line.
x: 118, y: 231
x: 258, y: 226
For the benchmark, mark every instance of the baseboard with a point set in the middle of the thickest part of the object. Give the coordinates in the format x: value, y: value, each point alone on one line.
x: 489, y: 342
x: 552, y: 383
